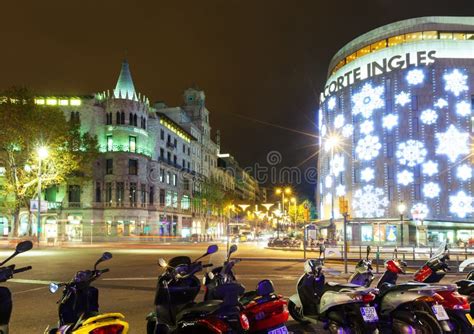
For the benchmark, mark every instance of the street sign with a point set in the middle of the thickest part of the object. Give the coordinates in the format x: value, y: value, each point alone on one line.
x: 34, y: 206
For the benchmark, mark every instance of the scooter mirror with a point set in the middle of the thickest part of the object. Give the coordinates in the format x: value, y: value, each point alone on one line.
x: 53, y: 287
x: 212, y: 249
x: 162, y: 263
x: 105, y: 256
x: 24, y: 246
x: 232, y: 249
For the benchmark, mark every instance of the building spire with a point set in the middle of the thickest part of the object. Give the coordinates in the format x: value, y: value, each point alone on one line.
x: 124, y: 86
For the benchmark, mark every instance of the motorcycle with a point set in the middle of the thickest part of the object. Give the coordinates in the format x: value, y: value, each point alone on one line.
x: 466, y: 286
x: 363, y: 274
x: 456, y: 306
x: 79, y: 306
x: 176, y: 311
x: 7, y: 273
x: 267, y: 312
x: 342, y: 308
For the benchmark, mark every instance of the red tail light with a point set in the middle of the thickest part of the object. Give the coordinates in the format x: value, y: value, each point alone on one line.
x: 110, y: 329
x: 216, y: 325
x: 267, y: 315
x: 422, y: 274
x: 368, y: 298
x: 244, y: 322
x: 393, y: 267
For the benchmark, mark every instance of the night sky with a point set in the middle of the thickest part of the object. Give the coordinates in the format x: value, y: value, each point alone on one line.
x: 261, y: 63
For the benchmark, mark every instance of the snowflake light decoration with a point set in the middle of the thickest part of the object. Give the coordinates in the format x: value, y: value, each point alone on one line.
x: 390, y: 121
x: 405, y: 177
x: 453, y: 143
x: 463, y: 108
x: 455, y: 82
x: 367, y: 100
x: 369, y: 202
x: 347, y: 130
x: 331, y: 103
x: 431, y: 190
x: 441, y: 103
x: 464, y: 172
x: 339, y: 121
x: 367, y: 174
x: 461, y: 204
x: 411, y: 153
x: 340, y: 190
x: 328, y: 181
x: 428, y: 116
x: 367, y: 127
x: 368, y: 147
x: 430, y: 168
x: 402, y: 98
x: 415, y: 76
x: 337, y: 164
x: 419, y: 211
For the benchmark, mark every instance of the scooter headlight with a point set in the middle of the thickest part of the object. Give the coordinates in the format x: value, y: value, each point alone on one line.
x: 53, y: 287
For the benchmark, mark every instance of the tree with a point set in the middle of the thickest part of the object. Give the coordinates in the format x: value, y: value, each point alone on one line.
x: 26, y: 127
x: 303, y: 211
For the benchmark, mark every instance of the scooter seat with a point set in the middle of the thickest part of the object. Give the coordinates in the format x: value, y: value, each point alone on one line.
x: 465, y: 287
x: 200, y: 309
x: 331, y: 286
x: 387, y: 287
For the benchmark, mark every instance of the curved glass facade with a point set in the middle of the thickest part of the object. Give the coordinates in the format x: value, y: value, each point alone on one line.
x: 395, y: 126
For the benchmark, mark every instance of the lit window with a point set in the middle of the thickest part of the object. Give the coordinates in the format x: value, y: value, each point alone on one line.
x: 445, y: 35
x: 413, y: 37
x: 132, y: 143
x: 459, y: 36
x: 63, y: 102
x: 39, y: 101
x: 430, y: 35
x: 75, y: 102
x: 110, y: 143
x: 51, y: 102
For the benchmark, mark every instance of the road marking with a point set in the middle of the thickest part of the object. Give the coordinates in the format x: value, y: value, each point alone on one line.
x: 28, y: 290
x: 29, y: 281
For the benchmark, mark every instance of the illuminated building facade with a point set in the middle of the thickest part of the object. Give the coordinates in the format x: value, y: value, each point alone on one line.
x: 395, y: 125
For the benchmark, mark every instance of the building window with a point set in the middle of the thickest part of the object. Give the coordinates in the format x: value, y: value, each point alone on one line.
x: 390, y: 149
x: 169, y: 157
x: 186, y: 184
x: 175, y: 143
x: 175, y: 160
x: 117, y: 118
x: 175, y: 180
x: 108, y: 192
x: 417, y: 171
x: 74, y: 194
x: 133, y: 194
x: 185, y: 202
x: 97, y: 192
x: 162, y: 134
x: 110, y: 143
x: 162, y: 197
x: 162, y: 153
x: 175, y: 200
x: 189, y: 151
x: 151, y: 196
x: 162, y: 175
x: 133, y: 167
x: 184, y: 148
x: 119, y: 193
x: 184, y: 164
x: 132, y: 144
x: 135, y: 120
x: 168, y: 177
x: 108, y: 119
x: 130, y: 119
x: 109, y: 166
x: 143, y: 194
x: 168, y: 199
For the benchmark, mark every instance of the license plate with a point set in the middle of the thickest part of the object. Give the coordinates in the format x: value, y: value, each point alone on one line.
x: 279, y: 330
x: 471, y: 321
x: 369, y: 314
x: 440, y: 312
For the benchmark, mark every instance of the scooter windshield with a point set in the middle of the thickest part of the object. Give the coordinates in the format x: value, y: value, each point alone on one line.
x: 465, y: 264
x: 179, y: 260
x: 441, y: 249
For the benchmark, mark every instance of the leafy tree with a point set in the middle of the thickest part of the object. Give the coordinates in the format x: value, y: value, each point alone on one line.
x: 302, y: 212
x: 25, y: 127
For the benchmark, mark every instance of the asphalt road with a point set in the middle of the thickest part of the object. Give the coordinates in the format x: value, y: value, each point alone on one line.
x: 129, y: 286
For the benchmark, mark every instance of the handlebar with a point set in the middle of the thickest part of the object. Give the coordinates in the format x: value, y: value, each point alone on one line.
x: 207, y: 265
x: 103, y: 271
x: 20, y: 270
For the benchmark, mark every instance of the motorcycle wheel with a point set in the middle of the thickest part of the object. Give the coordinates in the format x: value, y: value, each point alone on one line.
x: 425, y: 324
x: 461, y: 326
x: 296, y: 313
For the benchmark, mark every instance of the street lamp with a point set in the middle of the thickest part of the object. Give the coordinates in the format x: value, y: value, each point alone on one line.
x: 42, y: 153
x: 401, y: 210
x: 293, y: 200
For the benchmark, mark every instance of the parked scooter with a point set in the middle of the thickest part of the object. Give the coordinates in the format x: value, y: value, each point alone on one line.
x: 411, y: 307
x: 267, y: 312
x: 363, y: 274
x: 456, y: 306
x: 466, y: 286
x: 6, y: 273
x: 176, y: 311
x: 79, y: 306
x: 342, y: 308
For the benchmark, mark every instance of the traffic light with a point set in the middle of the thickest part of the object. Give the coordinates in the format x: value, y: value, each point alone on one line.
x: 343, y: 206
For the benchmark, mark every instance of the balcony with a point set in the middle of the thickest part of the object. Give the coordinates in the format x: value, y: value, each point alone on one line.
x: 74, y: 205
x: 170, y: 145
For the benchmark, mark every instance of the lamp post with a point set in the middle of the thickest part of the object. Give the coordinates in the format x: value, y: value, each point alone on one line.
x: 293, y: 200
x: 42, y: 154
x: 401, y: 210
x: 282, y: 192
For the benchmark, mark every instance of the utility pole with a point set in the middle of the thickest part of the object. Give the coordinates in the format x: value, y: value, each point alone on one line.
x: 344, y: 210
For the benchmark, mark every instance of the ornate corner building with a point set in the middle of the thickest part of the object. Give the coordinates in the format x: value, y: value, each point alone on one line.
x: 152, y: 161
x: 396, y: 126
